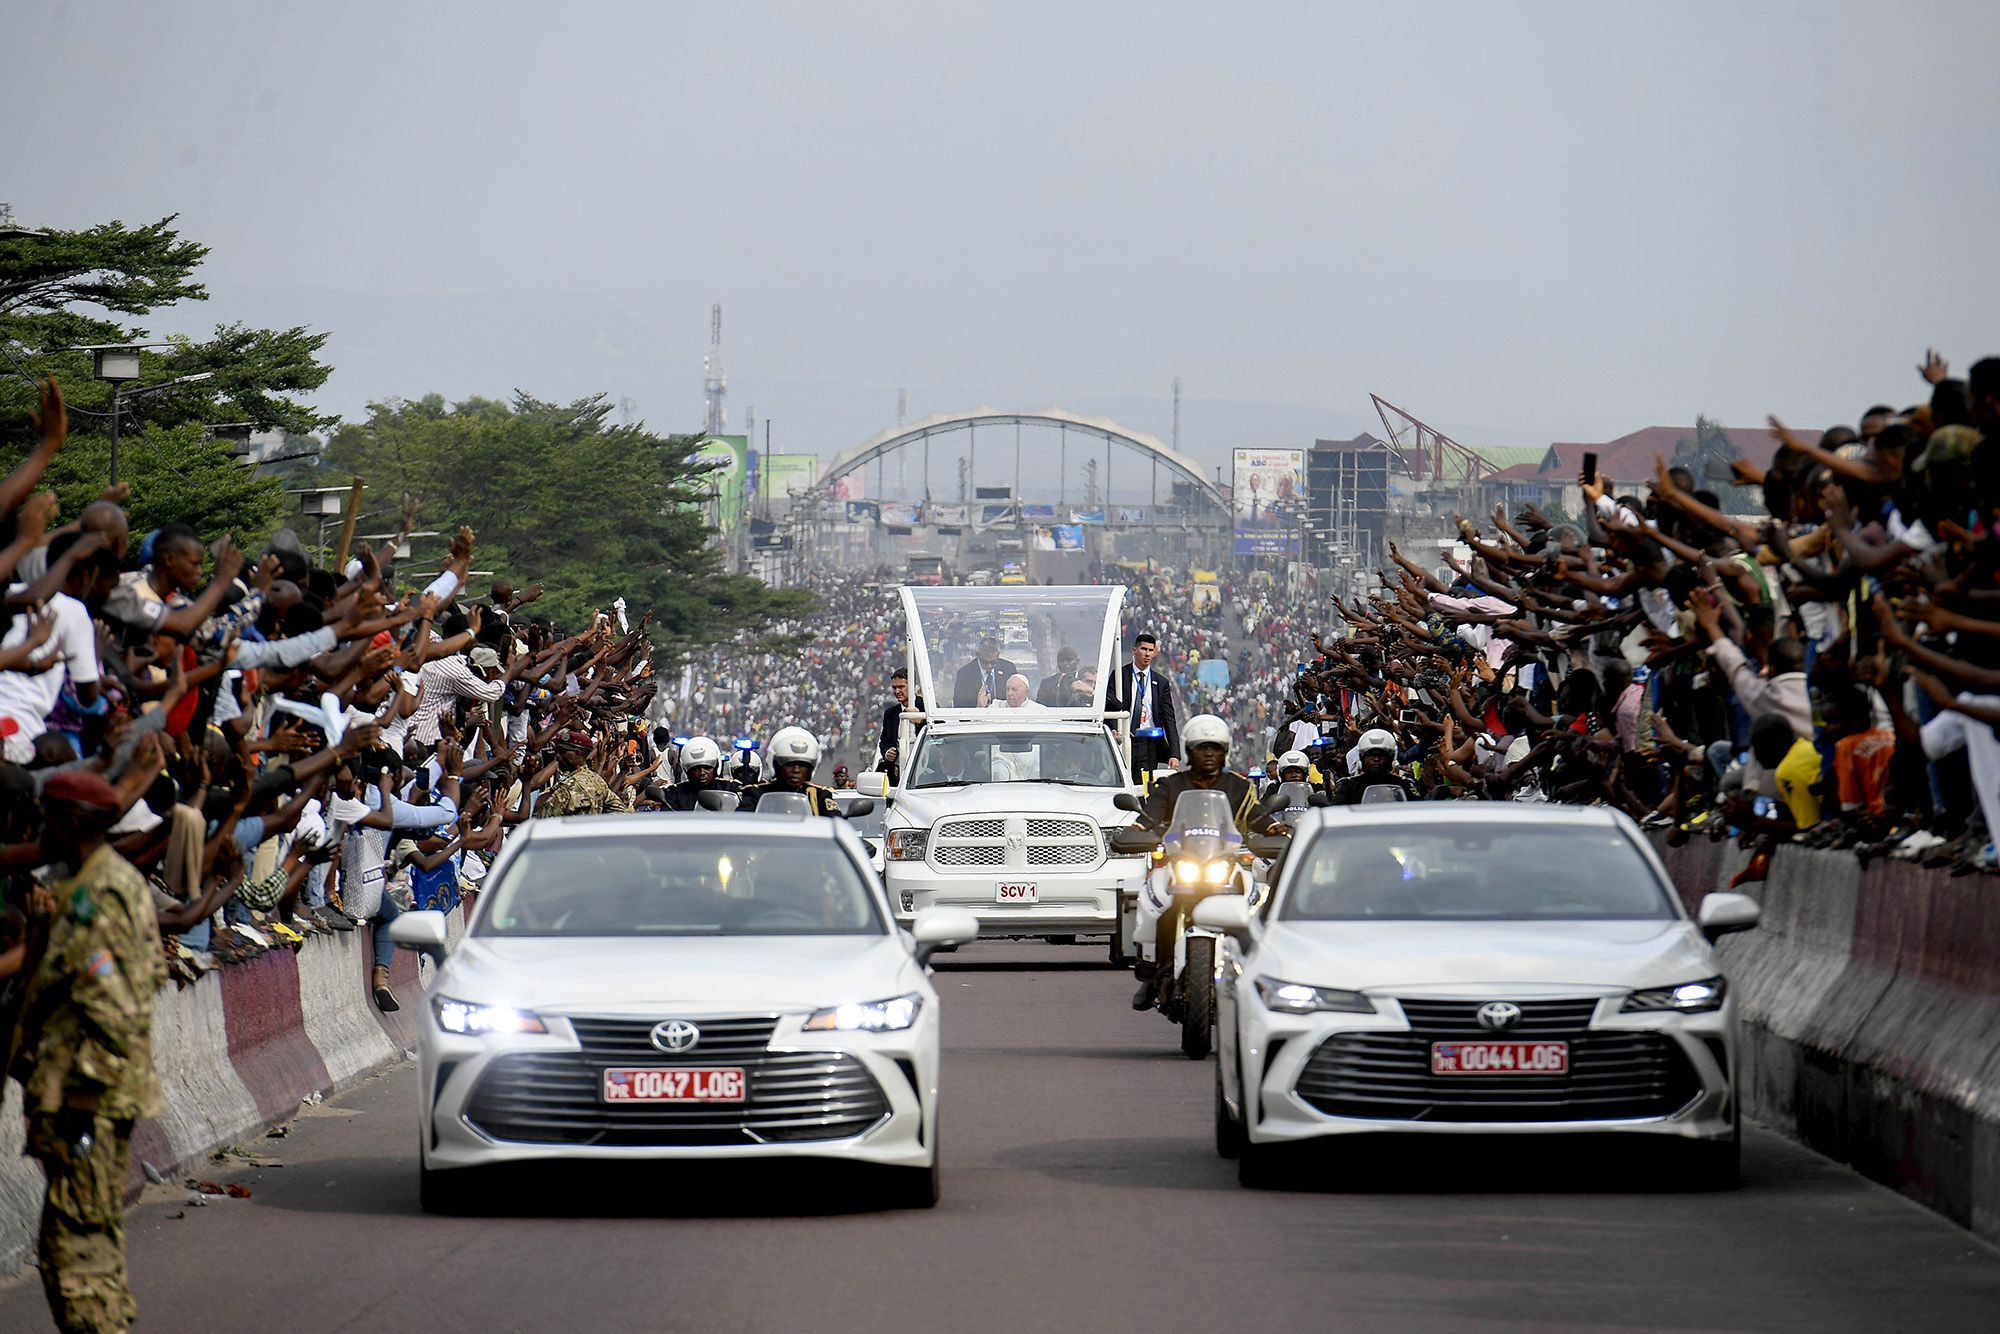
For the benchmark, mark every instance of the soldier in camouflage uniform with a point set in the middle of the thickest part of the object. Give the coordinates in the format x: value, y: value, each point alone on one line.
x: 85, y: 1053
x: 577, y: 790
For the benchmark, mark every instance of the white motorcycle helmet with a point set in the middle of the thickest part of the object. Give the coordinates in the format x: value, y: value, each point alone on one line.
x: 1291, y: 759
x: 1375, y: 738
x: 793, y: 745
x: 1205, y: 730
x: 699, y: 751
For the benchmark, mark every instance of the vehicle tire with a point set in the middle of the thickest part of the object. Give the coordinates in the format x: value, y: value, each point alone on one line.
x: 1060, y: 940
x: 1257, y: 1166
x: 455, y: 1194
x: 916, y: 1187
x: 1198, y: 998
x: 1228, y: 1130
x: 1718, y: 1164
x: 1119, y: 958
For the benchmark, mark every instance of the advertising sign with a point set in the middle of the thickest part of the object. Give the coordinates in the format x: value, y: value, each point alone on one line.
x: 1038, y: 513
x: 731, y: 454
x: 782, y: 476
x: 862, y: 511
x: 850, y: 486
x: 939, y: 512
x: 1086, y: 516
x: 1269, y: 486
x: 992, y: 514
x: 902, y: 513
x: 1068, y: 536
x: 1132, y: 514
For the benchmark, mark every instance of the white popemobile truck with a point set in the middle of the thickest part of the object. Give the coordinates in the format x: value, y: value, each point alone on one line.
x: 1012, y: 765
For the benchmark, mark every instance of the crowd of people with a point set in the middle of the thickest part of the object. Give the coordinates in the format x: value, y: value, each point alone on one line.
x: 1825, y: 670
x: 208, y: 754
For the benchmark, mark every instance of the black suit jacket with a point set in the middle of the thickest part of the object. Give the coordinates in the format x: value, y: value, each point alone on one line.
x: 965, y: 688
x: 1147, y: 752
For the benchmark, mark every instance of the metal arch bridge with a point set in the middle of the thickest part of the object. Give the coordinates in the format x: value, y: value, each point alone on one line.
x: 1103, y: 428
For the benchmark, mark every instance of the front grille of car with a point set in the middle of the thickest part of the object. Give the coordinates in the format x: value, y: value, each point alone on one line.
x: 791, y: 1096
x: 1017, y: 842
x: 1614, y: 1074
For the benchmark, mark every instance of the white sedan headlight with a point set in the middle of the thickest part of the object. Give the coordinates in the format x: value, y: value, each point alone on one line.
x: 1687, y: 998
x: 882, y: 1016
x: 456, y: 1016
x: 1298, y: 998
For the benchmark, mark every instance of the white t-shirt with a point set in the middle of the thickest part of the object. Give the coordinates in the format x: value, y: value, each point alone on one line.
x: 28, y: 696
x: 1949, y: 731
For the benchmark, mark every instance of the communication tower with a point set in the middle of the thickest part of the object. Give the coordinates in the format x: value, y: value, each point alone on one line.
x: 714, y: 384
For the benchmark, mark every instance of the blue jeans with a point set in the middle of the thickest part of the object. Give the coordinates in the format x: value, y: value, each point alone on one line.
x: 385, y: 948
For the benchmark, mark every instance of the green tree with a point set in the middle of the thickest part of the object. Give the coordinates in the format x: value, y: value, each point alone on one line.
x: 66, y: 289
x: 562, y: 494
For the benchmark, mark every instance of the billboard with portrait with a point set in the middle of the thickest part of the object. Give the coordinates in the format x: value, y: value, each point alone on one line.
x: 1270, y: 486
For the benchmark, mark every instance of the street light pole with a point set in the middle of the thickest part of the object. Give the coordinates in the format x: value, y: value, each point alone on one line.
x: 117, y: 392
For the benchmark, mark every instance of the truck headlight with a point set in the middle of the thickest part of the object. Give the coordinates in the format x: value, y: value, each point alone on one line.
x: 1687, y: 998
x: 882, y: 1016
x: 455, y: 1016
x: 905, y: 845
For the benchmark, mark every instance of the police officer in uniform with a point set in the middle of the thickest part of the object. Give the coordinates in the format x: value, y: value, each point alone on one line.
x: 84, y: 1052
x: 700, y: 758
x: 794, y: 753
x: 1207, y: 739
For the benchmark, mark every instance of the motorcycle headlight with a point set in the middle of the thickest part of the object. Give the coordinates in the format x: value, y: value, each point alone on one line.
x: 906, y: 845
x: 1217, y: 872
x: 882, y: 1016
x: 455, y: 1016
x: 1187, y: 871
x: 1687, y: 998
x: 1299, y: 998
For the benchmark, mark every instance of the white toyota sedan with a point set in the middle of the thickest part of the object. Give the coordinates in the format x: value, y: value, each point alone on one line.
x: 681, y: 986
x: 1489, y: 969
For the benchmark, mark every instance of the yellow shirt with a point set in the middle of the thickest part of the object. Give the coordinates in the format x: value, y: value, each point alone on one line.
x: 1797, y: 774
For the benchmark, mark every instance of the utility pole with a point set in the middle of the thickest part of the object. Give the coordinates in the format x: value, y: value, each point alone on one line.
x: 1177, y: 414
x: 964, y: 472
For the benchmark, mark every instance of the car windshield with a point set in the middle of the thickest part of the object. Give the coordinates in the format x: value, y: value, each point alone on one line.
x: 1472, y: 872
x: 681, y: 885
x: 1086, y: 759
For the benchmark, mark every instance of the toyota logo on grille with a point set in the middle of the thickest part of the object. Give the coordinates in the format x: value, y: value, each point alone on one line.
x: 1498, y: 1016
x: 676, y: 1035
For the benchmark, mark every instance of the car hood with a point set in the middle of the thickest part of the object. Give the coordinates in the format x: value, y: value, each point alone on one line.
x: 607, y: 975
x: 1446, y: 958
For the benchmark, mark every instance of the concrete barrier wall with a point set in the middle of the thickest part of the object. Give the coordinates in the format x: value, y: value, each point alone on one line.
x: 236, y: 1053
x: 1871, y: 1006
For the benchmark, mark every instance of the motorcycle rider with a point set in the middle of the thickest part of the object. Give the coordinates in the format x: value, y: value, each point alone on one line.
x: 1294, y: 766
x: 699, y: 760
x: 1377, y: 754
x: 748, y: 771
x: 794, y: 752
x: 1207, y: 740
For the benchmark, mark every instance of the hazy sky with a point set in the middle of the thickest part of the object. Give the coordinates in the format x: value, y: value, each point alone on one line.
x: 1570, y: 219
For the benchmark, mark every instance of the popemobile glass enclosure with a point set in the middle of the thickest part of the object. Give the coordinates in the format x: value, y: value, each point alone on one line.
x: 1024, y: 630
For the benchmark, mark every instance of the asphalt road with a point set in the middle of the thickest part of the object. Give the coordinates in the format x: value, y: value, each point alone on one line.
x: 1082, y: 1192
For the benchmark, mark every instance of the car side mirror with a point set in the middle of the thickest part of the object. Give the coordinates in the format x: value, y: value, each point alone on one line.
x: 1132, y: 841
x: 716, y: 799
x: 1125, y: 801
x: 419, y: 930
x: 856, y: 810
x: 935, y: 928
x: 1724, y: 914
x: 873, y: 783
x: 1224, y: 914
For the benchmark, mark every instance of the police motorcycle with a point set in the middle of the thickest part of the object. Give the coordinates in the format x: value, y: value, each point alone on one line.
x: 1199, y: 854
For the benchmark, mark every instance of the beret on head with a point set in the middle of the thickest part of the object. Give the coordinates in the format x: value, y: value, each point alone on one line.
x: 81, y: 787
x: 575, y: 740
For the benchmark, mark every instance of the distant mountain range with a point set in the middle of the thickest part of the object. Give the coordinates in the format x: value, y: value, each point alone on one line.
x: 561, y: 345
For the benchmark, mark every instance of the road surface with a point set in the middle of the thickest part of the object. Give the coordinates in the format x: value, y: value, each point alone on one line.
x: 1082, y: 1192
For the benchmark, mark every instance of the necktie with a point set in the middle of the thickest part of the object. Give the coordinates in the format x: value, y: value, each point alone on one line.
x: 1145, y: 699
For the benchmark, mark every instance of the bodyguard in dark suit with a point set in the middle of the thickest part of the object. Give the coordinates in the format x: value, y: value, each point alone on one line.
x: 988, y: 672
x: 888, y: 756
x: 1148, y: 697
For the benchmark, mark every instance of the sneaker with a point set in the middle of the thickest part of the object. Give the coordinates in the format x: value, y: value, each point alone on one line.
x: 1916, y: 845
